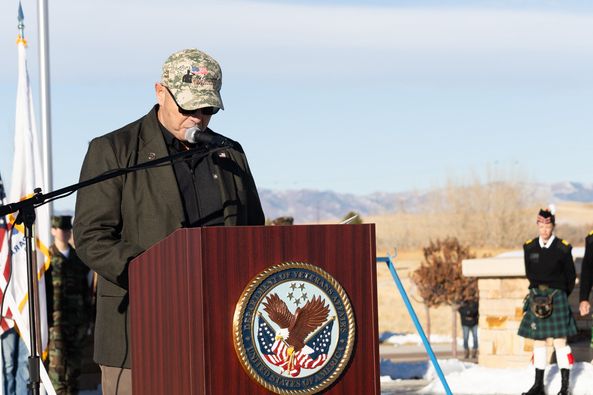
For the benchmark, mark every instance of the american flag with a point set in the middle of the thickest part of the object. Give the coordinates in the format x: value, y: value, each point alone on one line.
x: 275, y: 350
x: 320, y: 343
x: 4, y: 325
x: 199, y: 70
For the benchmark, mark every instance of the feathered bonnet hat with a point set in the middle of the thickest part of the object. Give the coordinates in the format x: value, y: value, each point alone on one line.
x: 547, y: 215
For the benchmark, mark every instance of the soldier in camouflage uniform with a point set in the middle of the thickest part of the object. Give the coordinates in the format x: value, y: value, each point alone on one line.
x: 69, y: 308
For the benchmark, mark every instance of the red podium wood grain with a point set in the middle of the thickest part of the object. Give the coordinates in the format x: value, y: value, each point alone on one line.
x: 184, y: 289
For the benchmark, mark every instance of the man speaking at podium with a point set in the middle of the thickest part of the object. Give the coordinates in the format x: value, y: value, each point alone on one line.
x: 118, y: 219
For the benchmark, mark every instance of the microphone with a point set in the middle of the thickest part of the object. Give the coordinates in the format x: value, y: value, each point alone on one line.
x: 196, y: 135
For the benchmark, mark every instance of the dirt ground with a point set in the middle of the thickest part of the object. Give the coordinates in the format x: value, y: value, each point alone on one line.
x: 391, y: 228
x: 393, y: 315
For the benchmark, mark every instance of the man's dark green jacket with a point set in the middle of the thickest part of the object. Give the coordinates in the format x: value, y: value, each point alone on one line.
x: 118, y: 219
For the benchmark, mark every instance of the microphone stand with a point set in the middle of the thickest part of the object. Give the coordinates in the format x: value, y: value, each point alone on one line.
x: 26, y: 216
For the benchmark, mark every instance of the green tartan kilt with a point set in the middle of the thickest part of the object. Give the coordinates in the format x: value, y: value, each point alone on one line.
x: 560, y: 324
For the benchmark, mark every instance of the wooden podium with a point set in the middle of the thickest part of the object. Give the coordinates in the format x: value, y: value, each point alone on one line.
x: 184, y: 289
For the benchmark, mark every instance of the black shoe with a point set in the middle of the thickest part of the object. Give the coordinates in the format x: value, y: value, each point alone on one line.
x: 538, y: 386
x: 565, y: 381
x: 535, y: 390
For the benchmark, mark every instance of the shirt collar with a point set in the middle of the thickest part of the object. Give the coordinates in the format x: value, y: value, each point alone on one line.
x: 548, y: 244
x: 171, y: 140
x: 174, y: 142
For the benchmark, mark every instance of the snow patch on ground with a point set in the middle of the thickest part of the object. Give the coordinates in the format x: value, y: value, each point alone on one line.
x: 465, y: 378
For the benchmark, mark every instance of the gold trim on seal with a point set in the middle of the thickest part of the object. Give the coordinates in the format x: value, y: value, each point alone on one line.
x: 240, y: 309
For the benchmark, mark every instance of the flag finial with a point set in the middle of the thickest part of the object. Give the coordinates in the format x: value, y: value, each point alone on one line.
x: 21, y: 19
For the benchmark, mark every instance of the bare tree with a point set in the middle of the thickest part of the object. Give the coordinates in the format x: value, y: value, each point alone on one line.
x: 496, y: 213
x: 440, y: 281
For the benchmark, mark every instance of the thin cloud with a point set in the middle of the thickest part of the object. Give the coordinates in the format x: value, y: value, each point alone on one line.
x: 130, y: 40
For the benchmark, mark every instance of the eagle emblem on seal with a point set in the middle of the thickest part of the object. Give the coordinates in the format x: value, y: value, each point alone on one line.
x: 294, y: 328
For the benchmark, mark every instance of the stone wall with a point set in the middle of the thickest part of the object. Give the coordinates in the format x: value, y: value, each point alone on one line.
x: 501, y: 302
x: 503, y: 286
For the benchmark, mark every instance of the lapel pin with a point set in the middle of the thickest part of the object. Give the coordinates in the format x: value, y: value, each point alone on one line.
x: 151, y: 155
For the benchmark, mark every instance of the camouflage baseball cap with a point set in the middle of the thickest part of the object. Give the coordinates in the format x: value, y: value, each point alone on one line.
x: 194, y: 78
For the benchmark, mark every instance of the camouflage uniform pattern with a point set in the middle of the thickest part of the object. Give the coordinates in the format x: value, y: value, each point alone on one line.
x: 194, y: 78
x: 69, y: 303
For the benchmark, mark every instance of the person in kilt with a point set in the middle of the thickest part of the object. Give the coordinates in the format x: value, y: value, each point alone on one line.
x: 550, y: 270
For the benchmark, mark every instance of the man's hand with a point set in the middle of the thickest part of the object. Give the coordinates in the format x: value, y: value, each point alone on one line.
x: 584, y: 307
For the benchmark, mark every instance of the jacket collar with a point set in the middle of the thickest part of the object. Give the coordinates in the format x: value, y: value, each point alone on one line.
x: 152, y: 146
x: 548, y: 244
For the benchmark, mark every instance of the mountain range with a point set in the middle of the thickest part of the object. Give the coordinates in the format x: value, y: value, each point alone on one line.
x: 310, y: 206
x: 307, y: 206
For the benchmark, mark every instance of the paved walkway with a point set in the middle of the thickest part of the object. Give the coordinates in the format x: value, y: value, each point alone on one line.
x: 410, y: 353
x: 414, y: 352
x: 403, y: 353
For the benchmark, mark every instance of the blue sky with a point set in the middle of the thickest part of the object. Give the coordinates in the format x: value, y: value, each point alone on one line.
x: 350, y: 96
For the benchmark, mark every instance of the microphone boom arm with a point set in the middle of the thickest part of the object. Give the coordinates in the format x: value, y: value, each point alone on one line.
x: 39, y: 198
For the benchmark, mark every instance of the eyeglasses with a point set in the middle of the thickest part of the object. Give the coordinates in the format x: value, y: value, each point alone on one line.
x: 187, y: 113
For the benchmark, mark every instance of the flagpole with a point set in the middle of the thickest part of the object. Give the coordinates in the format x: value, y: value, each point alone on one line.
x: 27, y: 218
x: 28, y: 173
x: 45, y: 99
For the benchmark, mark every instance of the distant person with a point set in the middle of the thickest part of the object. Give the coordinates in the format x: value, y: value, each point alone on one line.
x: 15, y: 365
x: 118, y: 219
x: 283, y: 221
x: 68, y: 308
x: 586, y: 276
x: 550, y: 270
x: 469, y: 313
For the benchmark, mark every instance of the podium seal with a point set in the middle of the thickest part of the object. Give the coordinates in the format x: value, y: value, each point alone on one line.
x: 294, y: 329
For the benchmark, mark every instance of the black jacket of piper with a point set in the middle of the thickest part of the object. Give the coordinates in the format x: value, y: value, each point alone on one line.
x: 587, y: 269
x: 552, y: 266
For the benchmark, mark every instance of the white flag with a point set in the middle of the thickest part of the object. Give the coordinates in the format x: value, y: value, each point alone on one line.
x: 27, y: 174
